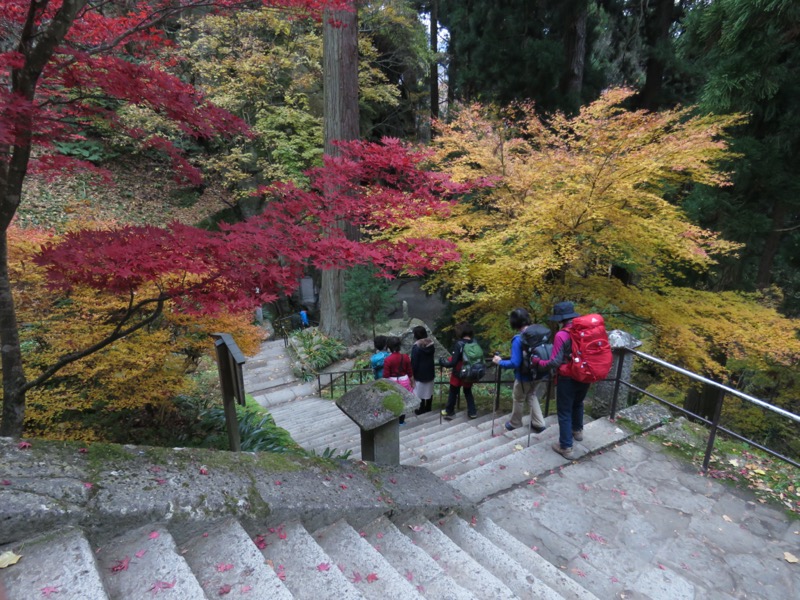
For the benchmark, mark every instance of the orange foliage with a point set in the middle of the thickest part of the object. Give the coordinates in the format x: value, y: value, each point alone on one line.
x: 142, y: 372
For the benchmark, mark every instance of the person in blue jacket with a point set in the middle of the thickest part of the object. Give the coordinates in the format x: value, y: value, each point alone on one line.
x: 525, y: 387
x: 377, y: 359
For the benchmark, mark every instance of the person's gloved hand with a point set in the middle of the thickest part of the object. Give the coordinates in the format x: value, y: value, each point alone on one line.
x: 535, y: 360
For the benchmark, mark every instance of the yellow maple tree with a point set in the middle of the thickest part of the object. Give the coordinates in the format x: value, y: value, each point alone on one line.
x: 577, y: 201
x: 139, y: 375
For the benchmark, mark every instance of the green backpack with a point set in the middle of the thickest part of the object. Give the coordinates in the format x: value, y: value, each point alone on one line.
x: 472, y: 363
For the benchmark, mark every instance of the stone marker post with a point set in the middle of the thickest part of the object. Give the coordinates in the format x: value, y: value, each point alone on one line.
x: 376, y: 408
x: 604, y: 390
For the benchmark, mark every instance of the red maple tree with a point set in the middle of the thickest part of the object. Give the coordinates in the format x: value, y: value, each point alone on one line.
x: 70, y: 58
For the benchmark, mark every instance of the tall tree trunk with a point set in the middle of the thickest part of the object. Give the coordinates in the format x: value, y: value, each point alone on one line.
x: 435, y: 65
x: 575, y: 51
x: 37, y: 42
x: 658, y: 23
x: 13, y: 373
x: 771, y: 245
x: 340, y: 85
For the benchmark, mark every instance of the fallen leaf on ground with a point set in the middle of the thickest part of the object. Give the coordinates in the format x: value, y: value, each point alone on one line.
x: 323, y: 566
x: 372, y: 577
x: 727, y: 518
x: 50, y: 589
x: 122, y: 565
x: 161, y: 585
x: 8, y: 558
x: 789, y: 557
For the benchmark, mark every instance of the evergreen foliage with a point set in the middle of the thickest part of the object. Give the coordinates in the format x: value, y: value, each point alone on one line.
x: 367, y: 297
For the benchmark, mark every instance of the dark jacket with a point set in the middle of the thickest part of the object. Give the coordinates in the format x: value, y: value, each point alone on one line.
x: 422, y: 360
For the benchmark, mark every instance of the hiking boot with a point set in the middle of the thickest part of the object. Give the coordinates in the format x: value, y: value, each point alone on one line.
x: 578, y: 435
x: 565, y: 452
x: 509, y: 426
x: 475, y: 416
x: 447, y: 416
x: 535, y: 429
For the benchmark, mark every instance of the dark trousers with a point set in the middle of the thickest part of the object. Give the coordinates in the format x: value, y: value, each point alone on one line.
x: 452, y: 399
x: 570, y: 395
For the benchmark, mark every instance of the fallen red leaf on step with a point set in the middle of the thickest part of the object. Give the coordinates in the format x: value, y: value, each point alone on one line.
x: 122, y: 565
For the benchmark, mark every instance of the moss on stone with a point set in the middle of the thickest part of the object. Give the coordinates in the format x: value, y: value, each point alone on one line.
x: 394, y: 403
x: 383, y: 385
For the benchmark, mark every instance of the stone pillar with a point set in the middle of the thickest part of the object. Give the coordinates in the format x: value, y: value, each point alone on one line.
x: 405, y: 310
x: 376, y: 407
x: 382, y: 445
x: 603, y: 392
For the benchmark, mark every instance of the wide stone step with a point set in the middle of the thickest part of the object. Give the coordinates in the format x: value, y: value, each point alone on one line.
x: 517, y: 467
x: 443, y: 448
x: 363, y: 563
x: 145, y: 562
x: 228, y: 564
x: 454, y: 561
x: 413, y: 563
x: 303, y: 566
x: 60, y: 563
x: 546, y: 571
x: 490, y: 451
x: 496, y: 561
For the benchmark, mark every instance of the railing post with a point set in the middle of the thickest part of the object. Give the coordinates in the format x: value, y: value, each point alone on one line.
x: 606, y: 396
x: 713, y: 433
x: 617, y: 378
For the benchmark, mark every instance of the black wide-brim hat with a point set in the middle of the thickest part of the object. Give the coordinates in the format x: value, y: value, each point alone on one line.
x: 563, y: 311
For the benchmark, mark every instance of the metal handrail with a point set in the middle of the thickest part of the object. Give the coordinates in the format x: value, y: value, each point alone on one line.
x: 713, y: 423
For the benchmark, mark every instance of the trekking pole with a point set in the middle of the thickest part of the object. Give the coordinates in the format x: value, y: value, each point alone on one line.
x: 496, y: 395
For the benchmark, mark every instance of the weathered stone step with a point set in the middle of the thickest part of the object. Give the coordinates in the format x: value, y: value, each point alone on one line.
x: 144, y: 562
x: 478, y: 435
x: 516, y: 468
x: 363, y: 564
x: 454, y: 561
x: 547, y: 572
x: 496, y: 561
x: 303, y: 566
x: 496, y: 449
x: 228, y: 564
x: 60, y: 563
x: 413, y: 563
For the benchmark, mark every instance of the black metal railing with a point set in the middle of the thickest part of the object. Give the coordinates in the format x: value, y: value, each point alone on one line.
x: 344, y: 380
x: 334, y: 382
x: 713, y: 423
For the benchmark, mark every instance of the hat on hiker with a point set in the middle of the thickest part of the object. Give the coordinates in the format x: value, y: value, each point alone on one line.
x: 563, y: 311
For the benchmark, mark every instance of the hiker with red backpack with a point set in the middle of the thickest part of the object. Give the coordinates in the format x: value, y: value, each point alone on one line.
x: 582, y: 355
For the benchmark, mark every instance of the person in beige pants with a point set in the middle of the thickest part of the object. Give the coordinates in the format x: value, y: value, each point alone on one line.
x: 526, y: 388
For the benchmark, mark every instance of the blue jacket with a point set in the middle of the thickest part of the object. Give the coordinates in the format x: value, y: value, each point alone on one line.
x: 376, y: 362
x: 516, y: 360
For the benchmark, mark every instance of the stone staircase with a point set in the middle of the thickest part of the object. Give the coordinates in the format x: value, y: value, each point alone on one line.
x: 400, y: 559
x: 398, y: 555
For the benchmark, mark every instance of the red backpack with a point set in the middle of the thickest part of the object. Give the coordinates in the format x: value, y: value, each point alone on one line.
x: 591, y: 353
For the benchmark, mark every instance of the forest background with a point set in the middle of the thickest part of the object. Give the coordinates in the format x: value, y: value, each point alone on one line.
x: 639, y: 158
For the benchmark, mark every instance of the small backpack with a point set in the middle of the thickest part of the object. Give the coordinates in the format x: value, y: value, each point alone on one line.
x: 472, y: 363
x: 591, y: 353
x: 535, y: 342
